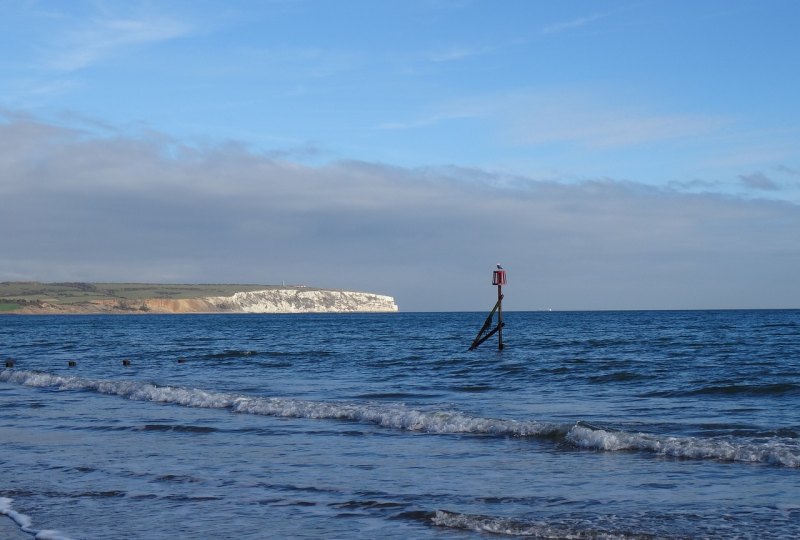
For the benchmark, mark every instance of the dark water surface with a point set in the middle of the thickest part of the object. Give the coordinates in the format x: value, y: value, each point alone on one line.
x: 588, y: 425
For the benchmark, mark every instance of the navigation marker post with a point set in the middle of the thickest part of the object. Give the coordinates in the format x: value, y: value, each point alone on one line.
x: 498, y: 279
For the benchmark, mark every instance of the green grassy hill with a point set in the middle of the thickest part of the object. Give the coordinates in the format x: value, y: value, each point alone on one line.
x: 15, y: 295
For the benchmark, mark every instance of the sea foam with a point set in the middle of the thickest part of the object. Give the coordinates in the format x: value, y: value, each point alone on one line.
x: 510, y: 527
x: 25, y: 524
x: 778, y: 451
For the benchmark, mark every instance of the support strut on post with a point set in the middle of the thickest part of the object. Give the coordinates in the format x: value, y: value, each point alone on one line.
x: 498, y: 279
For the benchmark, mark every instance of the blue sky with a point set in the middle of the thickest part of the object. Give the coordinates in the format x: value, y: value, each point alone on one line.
x: 622, y: 154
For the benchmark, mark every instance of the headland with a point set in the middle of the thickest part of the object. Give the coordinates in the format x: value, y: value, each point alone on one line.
x: 130, y: 298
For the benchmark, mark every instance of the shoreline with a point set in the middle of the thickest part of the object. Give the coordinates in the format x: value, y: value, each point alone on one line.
x: 23, y: 298
x: 145, y: 313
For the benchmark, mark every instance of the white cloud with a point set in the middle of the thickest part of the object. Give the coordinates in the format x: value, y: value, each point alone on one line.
x: 425, y: 121
x: 148, y: 208
x: 537, y: 117
x: 456, y: 53
x: 101, y: 38
x: 295, y: 63
x: 603, y: 128
x: 572, y: 24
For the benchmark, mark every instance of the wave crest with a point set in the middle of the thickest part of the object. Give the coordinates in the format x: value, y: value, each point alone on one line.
x: 511, y: 527
x: 24, y: 522
x: 777, y: 451
x: 773, y: 452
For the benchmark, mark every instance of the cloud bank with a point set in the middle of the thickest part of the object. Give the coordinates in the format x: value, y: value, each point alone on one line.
x: 82, y: 206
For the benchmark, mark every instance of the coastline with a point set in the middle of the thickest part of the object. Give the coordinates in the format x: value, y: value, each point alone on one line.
x: 134, y: 299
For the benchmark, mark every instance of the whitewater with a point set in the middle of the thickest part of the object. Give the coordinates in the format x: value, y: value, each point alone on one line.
x: 588, y: 425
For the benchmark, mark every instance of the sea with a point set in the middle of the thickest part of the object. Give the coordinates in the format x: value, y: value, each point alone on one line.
x: 602, y: 425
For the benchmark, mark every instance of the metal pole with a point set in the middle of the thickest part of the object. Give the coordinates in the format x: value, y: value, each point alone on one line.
x: 500, y: 317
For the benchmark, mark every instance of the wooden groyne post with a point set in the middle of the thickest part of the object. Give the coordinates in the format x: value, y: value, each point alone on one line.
x: 498, y: 279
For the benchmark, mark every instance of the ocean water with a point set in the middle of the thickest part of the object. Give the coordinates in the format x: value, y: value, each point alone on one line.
x: 588, y: 425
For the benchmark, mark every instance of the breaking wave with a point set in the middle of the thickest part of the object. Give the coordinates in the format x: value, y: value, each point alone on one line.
x: 511, y: 527
x: 391, y: 416
x: 25, y: 523
x: 774, y: 451
x: 779, y: 451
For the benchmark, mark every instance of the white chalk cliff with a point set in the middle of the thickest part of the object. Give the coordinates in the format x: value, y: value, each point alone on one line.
x: 300, y: 300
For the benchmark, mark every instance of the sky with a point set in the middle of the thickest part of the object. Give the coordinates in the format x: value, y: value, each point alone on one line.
x: 610, y: 155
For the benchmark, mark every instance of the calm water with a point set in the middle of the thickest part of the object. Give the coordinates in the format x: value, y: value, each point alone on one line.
x: 588, y: 425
